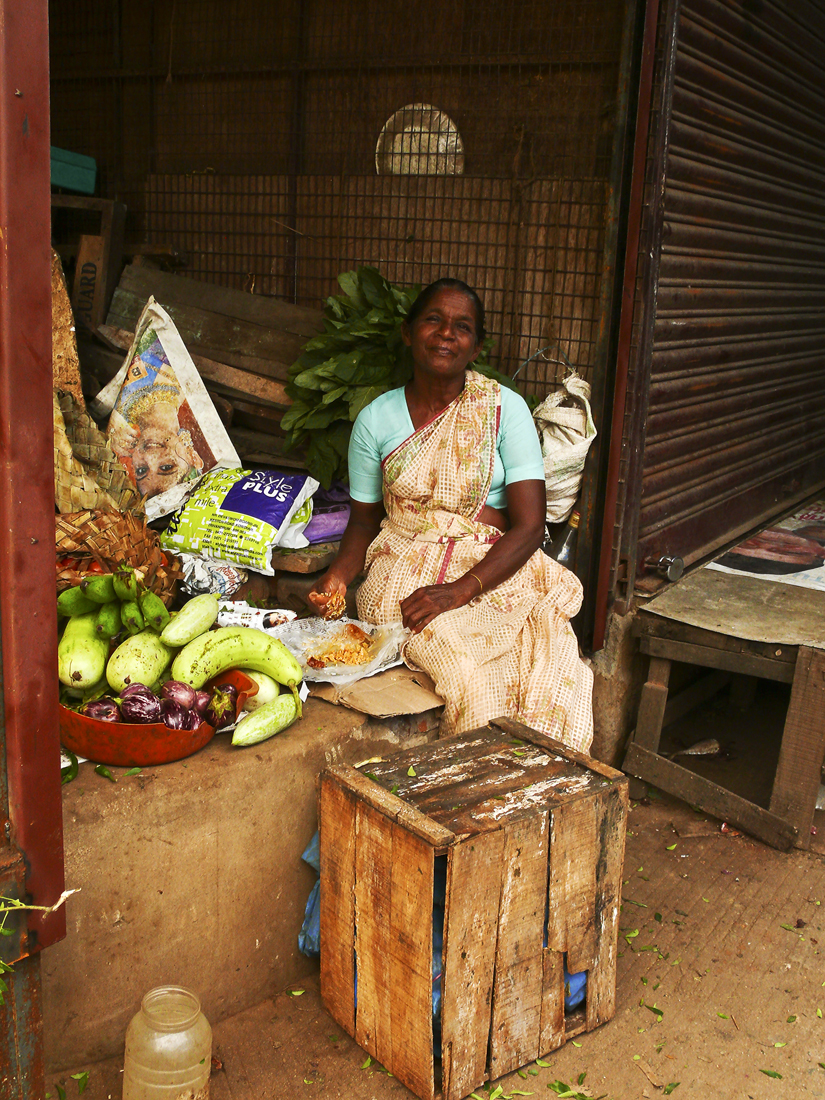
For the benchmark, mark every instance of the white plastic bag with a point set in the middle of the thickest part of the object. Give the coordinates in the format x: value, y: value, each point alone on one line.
x: 566, y: 429
x: 303, y: 637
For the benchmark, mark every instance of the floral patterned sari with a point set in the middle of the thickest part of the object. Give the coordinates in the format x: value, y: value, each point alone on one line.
x: 510, y: 651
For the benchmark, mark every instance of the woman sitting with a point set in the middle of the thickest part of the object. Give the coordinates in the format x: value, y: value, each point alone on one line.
x: 447, y: 514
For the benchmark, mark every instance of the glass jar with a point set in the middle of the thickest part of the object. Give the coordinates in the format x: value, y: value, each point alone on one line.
x: 168, y: 1048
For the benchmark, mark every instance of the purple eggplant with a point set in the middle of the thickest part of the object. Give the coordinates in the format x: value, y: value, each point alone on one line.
x: 222, y: 706
x: 175, y: 714
x: 202, y: 700
x: 139, y: 705
x: 105, y: 710
x: 179, y: 692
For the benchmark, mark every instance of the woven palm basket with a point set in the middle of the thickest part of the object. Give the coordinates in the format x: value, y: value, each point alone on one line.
x: 112, y: 539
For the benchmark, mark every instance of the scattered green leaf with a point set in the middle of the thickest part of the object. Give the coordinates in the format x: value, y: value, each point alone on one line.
x: 659, y: 1012
x: 630, y: 901
x: 581, y: 1077
x: 295, y: 992
x: 411, y: 770
x: 82, y: 1081
x: 61, y: 1092
x: 771, y: 1073
x: 367, y: 1063
x: 668, y: 1089
x: 780, y: 1044
x: 791, y: 1020
x: 544, y: 1065
x: 722, y: 1016
x: 133, y: 771
x: 394, y: 789
x: 670, y: 847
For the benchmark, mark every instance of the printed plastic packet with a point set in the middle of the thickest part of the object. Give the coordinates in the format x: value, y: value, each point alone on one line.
x: 239, y: 613
x: 239, y: 516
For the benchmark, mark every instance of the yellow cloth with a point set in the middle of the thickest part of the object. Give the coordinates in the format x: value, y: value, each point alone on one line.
x: 510, y: 651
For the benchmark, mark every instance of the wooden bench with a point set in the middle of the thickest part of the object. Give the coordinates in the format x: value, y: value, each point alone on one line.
x: 787, y: 820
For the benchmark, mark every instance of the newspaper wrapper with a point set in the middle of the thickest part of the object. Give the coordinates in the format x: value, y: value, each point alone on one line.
x: 304, y: 637
x: 162, y: 424
x: 266, y: 619
x: 202, y: 575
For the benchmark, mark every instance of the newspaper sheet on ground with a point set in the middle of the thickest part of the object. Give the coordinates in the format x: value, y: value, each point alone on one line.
x: 791, y: 551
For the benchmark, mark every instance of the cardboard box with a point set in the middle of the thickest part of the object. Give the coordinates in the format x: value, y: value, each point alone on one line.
x: 530, y: 836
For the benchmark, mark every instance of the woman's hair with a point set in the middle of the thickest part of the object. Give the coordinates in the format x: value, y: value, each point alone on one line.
x: 429, y: 292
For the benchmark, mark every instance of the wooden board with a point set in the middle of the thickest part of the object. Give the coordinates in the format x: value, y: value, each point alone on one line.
x: 411, y: 963
x: 796, y: 784
x: 210, y: 330
x: 571, y: 916
x: 471, y: 917
x: 611, y: 828
x: 336, y: 814
x: 258, y: 308
x: 515, y: 1031
x: 710, y: 797
x: 373, y: 878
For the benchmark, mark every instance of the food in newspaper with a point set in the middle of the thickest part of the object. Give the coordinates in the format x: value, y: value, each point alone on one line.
x: 336, y: 606
x: 349, y: 646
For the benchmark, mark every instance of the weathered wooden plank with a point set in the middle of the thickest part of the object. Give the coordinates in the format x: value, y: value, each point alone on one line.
x: 611, y: 821
x: 471, y: 918
x: 515, y: 1030
x: 247, y: 383
x: 336, y: 814
x: 373, y: 876
x: 571, y: 916
x: 652, y: 705
x: 258, y: 308
x: 525, y: 733
x: 797, y: 779
x: 200, y: 327
x: 410, y: 962
x: 393, y: 807
x: 766, y: 667
x: 552, y: 1034
x: 265, y: 449
x: 710, y: 797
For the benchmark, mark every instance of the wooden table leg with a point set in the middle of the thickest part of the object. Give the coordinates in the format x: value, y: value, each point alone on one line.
x: 652, y: 705
x: 796, y: 783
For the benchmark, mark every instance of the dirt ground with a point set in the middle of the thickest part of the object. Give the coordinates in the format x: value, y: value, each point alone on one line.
x: 720, y: 991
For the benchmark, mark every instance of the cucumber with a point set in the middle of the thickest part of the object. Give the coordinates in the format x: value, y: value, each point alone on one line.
x: 266, y: 721
x: 154, y: 612
x: 193, y: 619
x: 140, y: 659
x: 235, y: 647
x: 268, y: 689
x: 81, y: 653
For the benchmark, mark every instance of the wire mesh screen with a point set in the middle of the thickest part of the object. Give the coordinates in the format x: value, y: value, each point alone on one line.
x: 278, y: 144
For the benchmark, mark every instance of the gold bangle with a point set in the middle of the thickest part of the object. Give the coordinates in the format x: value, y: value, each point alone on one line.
x: 480, y: 585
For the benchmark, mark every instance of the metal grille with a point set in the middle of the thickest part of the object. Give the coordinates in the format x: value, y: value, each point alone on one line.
x: 735, y: 429
x: 277, y: 145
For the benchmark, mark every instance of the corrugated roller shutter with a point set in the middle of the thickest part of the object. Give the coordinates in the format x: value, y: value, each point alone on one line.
x: 736, y: 417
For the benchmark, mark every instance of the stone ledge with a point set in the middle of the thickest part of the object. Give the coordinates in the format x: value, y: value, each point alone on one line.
x: 190, y: 874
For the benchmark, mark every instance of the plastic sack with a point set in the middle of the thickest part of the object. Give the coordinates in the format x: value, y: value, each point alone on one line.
x: 163, y: 425
x: 330, y: 513
x: 239, y: 516
x: 565, y: 425
x: 309, y: 937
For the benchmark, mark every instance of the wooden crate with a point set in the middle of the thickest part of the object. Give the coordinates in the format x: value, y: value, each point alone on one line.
x: 533, y: 835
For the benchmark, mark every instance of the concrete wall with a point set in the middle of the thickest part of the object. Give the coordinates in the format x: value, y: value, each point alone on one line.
x: 190, y: 874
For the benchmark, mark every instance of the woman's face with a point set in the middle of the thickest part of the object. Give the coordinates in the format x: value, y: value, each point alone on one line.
x: 443, y: 338
x: 160, y: 459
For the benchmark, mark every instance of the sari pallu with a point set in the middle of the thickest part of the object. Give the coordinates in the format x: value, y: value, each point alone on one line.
x: 510, y: 651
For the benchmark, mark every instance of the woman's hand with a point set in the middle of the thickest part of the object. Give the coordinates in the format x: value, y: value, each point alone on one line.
x: 329, y: 595
x: 422, y: 606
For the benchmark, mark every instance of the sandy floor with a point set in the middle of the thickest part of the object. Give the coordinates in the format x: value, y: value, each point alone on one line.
x: 721, y: 990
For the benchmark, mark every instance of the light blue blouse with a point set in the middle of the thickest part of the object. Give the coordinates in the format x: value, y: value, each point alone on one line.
x: 385, y: 423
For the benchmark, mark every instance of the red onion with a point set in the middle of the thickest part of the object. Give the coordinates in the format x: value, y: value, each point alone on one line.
x: 105, y: 710
x: 179, y: 692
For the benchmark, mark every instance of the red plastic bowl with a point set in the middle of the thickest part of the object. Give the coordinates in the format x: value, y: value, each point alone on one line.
x: 133, y: 744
